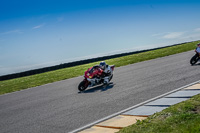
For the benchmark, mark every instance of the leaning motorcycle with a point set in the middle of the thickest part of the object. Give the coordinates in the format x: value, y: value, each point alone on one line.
x: 194, y: 59
x: 94, y: 76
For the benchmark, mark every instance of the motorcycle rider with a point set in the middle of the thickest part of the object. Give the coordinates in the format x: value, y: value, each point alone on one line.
x: 96, y: 77
x: 198, y: 49
x: 107, y: 71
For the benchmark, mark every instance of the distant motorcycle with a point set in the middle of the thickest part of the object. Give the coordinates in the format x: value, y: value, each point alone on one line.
x: 194, y: 59
x: 94, y: 76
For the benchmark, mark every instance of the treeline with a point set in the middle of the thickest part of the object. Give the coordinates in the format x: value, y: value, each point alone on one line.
x: 71, y: 64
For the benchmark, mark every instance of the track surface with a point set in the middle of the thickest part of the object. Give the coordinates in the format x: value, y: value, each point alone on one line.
x: 58, y: 107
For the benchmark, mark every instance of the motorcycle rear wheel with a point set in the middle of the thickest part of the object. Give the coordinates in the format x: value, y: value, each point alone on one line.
x: 82, y: 86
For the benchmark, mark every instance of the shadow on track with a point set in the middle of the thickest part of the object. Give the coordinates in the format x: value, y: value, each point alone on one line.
x: 99, y: 88
x: 197, y: 64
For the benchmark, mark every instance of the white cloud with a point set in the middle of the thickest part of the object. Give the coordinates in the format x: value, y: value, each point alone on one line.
x: 60, y: 19
x: 173, y: 35
x: 192, y: 36
x: 160, y: 34
x: 197, y: 29
x: 38, y: 26
x: 11, y: 32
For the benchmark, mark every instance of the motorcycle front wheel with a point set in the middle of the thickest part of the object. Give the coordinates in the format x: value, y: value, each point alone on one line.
x: 194, y: 59
x: 82, y: 86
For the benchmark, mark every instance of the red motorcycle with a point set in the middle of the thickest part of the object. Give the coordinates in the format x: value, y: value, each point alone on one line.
x: 94, y: 76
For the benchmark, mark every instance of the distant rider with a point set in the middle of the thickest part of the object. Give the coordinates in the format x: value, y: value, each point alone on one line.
x: 198, y: 49
x: 107, y: 71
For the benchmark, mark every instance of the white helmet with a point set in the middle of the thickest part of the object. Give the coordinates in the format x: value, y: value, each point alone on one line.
x: 102, y: 65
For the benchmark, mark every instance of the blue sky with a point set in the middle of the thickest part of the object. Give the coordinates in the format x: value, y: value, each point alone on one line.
x: 35, y: 33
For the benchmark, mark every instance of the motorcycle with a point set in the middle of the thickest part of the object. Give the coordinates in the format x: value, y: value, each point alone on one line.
x: 94, y: 76
x: 194, y: 59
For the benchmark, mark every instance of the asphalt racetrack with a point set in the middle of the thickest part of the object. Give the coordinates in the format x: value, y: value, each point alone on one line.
x: 59, y: 107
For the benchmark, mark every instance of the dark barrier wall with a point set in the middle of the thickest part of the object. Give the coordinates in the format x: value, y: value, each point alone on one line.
x: 71, y: 64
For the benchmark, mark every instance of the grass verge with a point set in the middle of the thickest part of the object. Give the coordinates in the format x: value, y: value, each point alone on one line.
x: 183, y: 117
x: 17, y: 84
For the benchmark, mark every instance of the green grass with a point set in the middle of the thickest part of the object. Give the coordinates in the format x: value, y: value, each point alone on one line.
x: 180, y: 118
x: 66, y: 73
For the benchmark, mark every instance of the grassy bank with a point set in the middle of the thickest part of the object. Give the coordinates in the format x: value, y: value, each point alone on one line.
x: 49, y: 77
x: 180, y: 118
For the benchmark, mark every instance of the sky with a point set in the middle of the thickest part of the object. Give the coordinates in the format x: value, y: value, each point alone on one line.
x: 41, y: 33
